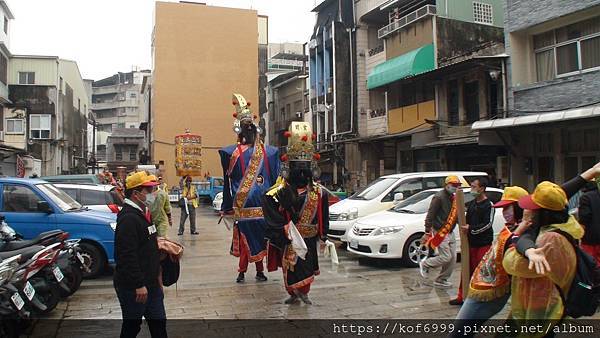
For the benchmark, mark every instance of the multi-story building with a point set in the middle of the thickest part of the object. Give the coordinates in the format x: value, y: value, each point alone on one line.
x: 201, y: 55
x: 332, y: 60
x: 8, y: 153
x: 551, y: 128
x: 49, y: 112
x: 422, y: 71
x: 287, y: 90
x: 124, y: 148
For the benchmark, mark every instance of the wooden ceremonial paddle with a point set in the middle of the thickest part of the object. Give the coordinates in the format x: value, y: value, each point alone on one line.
x: 464, y: 243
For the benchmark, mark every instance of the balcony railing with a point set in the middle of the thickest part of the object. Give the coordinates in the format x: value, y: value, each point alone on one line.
x: 376, y: 50
x: 425, y: 11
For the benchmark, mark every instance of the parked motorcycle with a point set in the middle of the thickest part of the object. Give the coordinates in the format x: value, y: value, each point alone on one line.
x: 13, y: 315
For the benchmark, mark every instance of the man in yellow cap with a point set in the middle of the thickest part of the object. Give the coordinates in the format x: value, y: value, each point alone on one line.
x: 137, y: 259
x: 439, y: 225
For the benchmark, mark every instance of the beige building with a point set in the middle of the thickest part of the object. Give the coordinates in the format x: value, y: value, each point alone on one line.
x: 201, y: 55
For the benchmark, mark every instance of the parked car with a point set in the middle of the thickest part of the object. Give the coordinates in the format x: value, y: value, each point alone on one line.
x: 381, y: 194
x: 333, y: 197
x: 396, y: 233
x: 33, y: 206
x: 209, y: 188
x: 98, y: 197
x: 84, y: 178
x: 217, y: 202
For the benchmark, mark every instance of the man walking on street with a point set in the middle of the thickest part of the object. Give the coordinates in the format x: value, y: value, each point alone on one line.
x: 160, y: 208
x: 439, y: 226
x: 480, y: 216
x: 191, y: 199
x: 137, y: 259
x: 589, y: 217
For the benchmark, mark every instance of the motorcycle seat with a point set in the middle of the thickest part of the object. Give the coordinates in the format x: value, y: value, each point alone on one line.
x: 26, y: 253
x: 22, y: 243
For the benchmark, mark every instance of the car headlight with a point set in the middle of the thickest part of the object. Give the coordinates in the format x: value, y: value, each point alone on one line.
x: 387, y: 230
x: 113, y: 225
x: 349, y: 215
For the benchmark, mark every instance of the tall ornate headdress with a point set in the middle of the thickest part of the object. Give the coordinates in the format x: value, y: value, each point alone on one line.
x: 243, y: 114
x: 300, y: 148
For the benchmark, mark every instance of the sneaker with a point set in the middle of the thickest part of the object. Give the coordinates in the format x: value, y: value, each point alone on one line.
x: 456, y: 301
x: 261, y: 277
x: 291, y: 300
x: 180, y: 233
x: 423, y: 270
x: 240, y: 278
x: 442, y: 284
x: 195, y: 233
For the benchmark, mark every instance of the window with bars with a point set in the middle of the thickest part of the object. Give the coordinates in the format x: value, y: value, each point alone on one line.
x: 483, y: 13
x: 567, y: 50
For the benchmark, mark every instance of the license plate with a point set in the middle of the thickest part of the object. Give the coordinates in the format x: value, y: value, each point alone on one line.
x: 58, y: 274
x: 80, y: 257
x: 354, y: 244
x: 29, y: 290
x: 17, y: 300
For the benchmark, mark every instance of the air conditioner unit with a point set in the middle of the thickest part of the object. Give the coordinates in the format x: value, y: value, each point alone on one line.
x: 1, y: 136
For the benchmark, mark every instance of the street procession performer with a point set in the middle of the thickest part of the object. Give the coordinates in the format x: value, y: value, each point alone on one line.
x: 249, y: 169
x: 296, y: 211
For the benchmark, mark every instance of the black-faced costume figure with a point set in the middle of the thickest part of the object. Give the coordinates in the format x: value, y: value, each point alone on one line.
x: 249, y: 169
x: 296, y: 201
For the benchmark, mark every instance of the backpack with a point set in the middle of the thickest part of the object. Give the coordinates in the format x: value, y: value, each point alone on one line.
x: 170, y: 271
x: 583, y: 297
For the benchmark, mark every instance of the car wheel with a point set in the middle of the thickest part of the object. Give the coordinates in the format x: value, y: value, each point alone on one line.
x: 93, y: 259
x: 413, y: 251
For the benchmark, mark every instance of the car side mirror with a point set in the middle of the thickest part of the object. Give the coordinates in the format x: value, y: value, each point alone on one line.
x: 398, y: 197
x: 43, y: 206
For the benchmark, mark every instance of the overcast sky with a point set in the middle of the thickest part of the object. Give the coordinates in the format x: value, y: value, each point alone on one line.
x: 106, y: 36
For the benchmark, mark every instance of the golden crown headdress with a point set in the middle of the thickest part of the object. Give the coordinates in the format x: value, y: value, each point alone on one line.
x: 300, y: 143
x: 242, y: 114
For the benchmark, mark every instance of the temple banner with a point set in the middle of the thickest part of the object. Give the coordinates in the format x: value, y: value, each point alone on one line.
x: 188, y: 154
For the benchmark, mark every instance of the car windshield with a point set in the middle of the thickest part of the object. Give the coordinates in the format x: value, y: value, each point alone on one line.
x: 64, y: 201
x: 416, y: 204
x: 375, y: 189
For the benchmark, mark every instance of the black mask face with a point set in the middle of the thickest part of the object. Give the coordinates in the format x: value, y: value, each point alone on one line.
x: 248, y: 134
x: 300, y: 174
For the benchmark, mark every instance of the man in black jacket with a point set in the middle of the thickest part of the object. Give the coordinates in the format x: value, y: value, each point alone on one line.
x: 589, y: 217
x: 136, y: 278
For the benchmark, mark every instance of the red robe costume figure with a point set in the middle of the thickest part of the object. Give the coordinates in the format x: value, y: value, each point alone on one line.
x: 249, y: 169
x: 296, y: 201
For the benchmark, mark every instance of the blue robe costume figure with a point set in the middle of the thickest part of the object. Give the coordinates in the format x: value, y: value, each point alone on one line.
x: 249, y: 170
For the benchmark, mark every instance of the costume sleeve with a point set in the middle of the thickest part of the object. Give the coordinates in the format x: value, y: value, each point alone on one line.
x: 572, y: 186
x: 434, y: 207
x: 585, y: 210
x: 487, y: 218
x: 167, y: 203
x: 275, y: 221
x: 560, y: 257
x: 527, y: 240
x: 227, y: 204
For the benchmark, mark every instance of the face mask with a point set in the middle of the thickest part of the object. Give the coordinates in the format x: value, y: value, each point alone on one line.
x: 150, y: 198
x: 509, y: 214
x: 451, y: 189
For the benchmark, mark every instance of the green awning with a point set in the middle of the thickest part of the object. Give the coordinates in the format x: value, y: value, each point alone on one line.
x: 413, y: 63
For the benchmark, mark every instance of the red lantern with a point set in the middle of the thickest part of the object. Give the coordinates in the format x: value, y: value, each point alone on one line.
x: 248, y: 104
x: 304, y: 138
x: 284, y: 158
x: 287, y: 134
x: 235, y: 115
x: 233, y: 103
x: 317, y: 156
x: 255, y: 117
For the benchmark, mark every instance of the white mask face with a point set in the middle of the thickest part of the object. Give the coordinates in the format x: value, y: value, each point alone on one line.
x: 451, y: 189
x: 150, y: 198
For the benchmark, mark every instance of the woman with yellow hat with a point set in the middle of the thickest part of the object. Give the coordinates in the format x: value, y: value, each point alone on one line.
x: 536, y: 299
x: 490, y: 285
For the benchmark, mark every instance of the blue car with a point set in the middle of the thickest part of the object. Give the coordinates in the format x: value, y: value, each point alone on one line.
x: 33, y: 206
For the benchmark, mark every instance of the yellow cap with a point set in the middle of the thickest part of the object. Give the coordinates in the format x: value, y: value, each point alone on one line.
x: 511, y: 195
x: 547, y: 195
x: 452, y: 179
x: 139, y: 179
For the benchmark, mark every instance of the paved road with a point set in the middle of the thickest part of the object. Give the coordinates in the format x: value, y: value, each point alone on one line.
x: 354, y: 289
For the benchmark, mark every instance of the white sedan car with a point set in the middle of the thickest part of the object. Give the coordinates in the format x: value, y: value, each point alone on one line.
x: 396, y: 233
